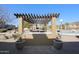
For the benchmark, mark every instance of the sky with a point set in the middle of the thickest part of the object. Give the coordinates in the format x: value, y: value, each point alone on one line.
x: 68, y: 12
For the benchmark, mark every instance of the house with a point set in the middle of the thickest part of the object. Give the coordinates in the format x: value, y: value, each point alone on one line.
x: 70, y: 26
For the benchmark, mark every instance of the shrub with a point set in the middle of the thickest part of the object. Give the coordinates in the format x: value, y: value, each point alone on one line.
x: 3, y: 30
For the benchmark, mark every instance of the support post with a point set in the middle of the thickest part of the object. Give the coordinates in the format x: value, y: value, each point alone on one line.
x: 46, y: 27
x: 54, y: 28
x: 20, y: 26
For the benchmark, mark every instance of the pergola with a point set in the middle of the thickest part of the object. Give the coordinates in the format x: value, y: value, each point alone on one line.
x: 37, y: 19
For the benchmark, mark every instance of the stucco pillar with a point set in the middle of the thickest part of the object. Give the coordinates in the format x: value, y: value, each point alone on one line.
x: 54, y: 28
x: 46, y: 27
x: 20, y: 26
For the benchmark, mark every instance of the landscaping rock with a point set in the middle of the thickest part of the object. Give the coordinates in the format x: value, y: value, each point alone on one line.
x: 8, y: 36
x: 2, y: 37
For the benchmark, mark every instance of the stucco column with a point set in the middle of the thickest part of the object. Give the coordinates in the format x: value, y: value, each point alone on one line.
x: 20, y: 26
x: 54, y: 28
x: 46, y: 27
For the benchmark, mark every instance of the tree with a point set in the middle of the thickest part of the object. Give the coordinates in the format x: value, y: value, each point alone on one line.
x: 3, y: 16
x: 63, y: 26
x: 26, y: 24
x: 67, y: 25
x: 2, y: 22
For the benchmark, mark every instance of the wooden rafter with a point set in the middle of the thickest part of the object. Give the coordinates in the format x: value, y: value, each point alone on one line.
x: 36, y: 18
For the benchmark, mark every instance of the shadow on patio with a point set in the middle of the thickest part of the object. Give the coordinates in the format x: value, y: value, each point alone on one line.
x: 39, y: 39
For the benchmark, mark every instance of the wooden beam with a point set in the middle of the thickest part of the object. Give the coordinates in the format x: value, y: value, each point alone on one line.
x: 32, y: 17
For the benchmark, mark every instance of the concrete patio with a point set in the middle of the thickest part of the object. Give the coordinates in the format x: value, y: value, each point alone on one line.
x: 42, y: 46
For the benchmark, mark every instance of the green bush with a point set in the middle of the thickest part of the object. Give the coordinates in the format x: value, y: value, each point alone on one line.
x: 3, y: 30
